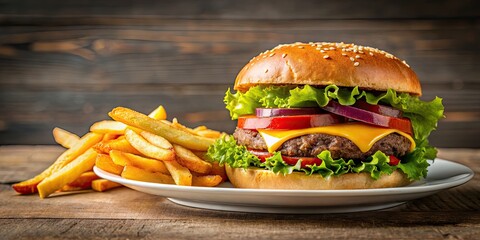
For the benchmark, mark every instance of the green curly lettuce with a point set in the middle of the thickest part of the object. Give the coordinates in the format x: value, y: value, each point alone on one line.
x: 226, y: 151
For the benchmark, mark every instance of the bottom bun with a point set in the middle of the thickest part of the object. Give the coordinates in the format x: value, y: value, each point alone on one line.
x: 265, y: 179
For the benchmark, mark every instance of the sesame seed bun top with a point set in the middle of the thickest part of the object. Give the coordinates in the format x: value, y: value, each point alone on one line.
x: 321, y: 64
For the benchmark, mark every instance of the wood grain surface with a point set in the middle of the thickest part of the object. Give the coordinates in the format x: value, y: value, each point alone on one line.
x: 67, y: 63
x: 123, y: 213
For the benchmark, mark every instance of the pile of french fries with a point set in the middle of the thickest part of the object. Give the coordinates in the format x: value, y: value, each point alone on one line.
x: 134, y: 146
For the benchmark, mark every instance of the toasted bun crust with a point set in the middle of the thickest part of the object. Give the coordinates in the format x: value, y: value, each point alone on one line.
x: 321, y: 64
x: 264, y: 179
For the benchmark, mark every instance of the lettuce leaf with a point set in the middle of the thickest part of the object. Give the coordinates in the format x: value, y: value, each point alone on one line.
x: 226, y: 151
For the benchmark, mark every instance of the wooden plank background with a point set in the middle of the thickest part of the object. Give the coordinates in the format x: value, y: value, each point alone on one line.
x: 67, y: 63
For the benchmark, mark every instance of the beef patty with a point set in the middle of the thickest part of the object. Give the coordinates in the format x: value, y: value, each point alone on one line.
x: 313, y: 144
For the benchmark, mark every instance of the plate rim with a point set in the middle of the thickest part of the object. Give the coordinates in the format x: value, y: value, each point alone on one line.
x: 424, y: 188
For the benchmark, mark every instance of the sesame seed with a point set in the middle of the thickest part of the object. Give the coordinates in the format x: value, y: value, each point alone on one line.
x: 371, y: 54
x: 332, y: 48
x: 356, y: 64
x: 352, y: 59
x: 301, y: 47
x: 271, y: 54
x: 284, y: 55
x: 322, y: 51
x: 344, y: 54
x: 326, y: 56
x: 357, y: 56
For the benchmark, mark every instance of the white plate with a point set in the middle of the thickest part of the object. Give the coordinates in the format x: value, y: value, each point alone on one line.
x: 442, y: 174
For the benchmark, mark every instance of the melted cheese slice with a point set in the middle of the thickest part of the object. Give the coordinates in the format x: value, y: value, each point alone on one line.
x: 361, y: 134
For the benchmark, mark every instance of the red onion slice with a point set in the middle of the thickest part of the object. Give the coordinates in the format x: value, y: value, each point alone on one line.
x: 402, y: 124
x: 274, y: 112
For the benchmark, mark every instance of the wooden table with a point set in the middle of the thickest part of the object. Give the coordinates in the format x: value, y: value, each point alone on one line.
x: 125, y: 214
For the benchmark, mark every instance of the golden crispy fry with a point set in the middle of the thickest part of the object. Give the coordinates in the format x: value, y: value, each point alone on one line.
x: 67, y: 174
x: 64, y: 137
x: 179, y: 126
x: 159, y: 113
x: 206, y: 180
x: 102, y: 185
x: 148, y: 149
x: 120, y: 144
x: 200, y: 154
x: 84, y: 181
x: 110, y: 136
x: 148, y: 164
x: 108, y: 126
x: 105, y: 163
x: 69, y: 188
x: 200, y: 128
x: 156, y: 140
x: 209, y: 133
x: 181, y: 175
x: 189, y: 160
x: 158, y: 127
x: 87, y: 141
x: 134, y: 173
x: 219, y: 170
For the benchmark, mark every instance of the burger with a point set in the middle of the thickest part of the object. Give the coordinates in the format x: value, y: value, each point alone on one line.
x: 327, y: 116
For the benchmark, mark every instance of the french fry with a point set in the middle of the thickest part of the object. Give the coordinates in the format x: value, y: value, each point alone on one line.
x: 189, y: 160
x: 148, y: 149
x: 87, y: 141
x: 105, y: 163
x: 134, y: 173
x: 67, y: 174
x: 108, y: 126
x: 114, y: 127
x: 206, y: 180
x: 216, y: 168
x: 219, y: 170
x: 181, y: 175
x: 84, y: 181
x: 156, y: 140
x: 173, y: 135
x: 159, y: 113
x: 102, y: 185
x: 200, y: 128
x: 109, y: 136
x: 179, y: 126
x: 148, y: 164
x: 120, y: 144
x: 64, y: 137
x: 69, y: 188
x: 209, y: 133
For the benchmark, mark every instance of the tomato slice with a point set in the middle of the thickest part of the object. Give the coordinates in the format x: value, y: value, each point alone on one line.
x: 306, y: 161
x: 288, y: 122
x: 394, y: 161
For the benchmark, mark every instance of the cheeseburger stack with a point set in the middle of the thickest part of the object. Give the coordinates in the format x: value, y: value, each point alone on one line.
x: 327, y: 116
